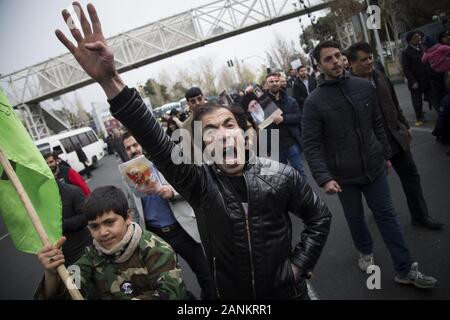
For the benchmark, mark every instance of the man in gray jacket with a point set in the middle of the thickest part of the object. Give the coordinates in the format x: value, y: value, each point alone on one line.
x: 347, y: 150
x: 398, y: 133
x: 165, y: 213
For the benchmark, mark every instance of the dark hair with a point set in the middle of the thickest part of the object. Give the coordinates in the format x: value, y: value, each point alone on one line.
x: 411, y: 34
x: 204, y: 109
x: 246, y: 99
x: 242, y: 117
x: 273, y: 74
x: 125, y: 136
x: 352, y: 51
x: 103, y: 200
x: 323, y: 45
x: 193, y: 92
x: 442, y: 34
x: 301, y: 67
x: 48, y: 155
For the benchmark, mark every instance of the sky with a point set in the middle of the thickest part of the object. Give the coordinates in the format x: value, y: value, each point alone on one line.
x: 27, y: 36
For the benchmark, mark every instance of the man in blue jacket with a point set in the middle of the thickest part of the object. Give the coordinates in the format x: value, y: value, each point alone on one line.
x: 288, y: 124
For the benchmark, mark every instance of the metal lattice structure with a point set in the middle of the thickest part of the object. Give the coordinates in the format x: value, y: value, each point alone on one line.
x: 346, y: 33
x: 152, y: 42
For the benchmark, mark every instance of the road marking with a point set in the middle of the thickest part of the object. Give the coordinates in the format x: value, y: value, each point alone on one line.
x: 3, y: 237
x: 429, y: 130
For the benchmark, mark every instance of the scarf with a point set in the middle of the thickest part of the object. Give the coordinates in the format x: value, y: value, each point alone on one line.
x: 122, y: 251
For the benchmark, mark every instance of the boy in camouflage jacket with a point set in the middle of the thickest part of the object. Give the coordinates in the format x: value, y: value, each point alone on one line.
x: 124, y: 262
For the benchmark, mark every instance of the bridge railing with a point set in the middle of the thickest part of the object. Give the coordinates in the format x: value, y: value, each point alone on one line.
x: 153, y: 42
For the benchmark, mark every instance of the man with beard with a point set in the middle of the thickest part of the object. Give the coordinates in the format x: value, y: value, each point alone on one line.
x: 66, y: 174
x: 242, y: 208
x: 348, y: 153
x: 165, y: 213
x: 288, y: 124
x: 304, y: 85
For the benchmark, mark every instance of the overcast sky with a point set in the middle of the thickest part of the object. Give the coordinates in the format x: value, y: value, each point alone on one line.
x: 27, y: 36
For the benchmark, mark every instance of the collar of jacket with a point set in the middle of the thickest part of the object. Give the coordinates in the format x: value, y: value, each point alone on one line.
x: 374, y: 75
x: 322, y: 82
x: 283, y: 94
x: 415, y: 48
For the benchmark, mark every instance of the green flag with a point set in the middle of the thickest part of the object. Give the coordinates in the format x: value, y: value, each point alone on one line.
x: 37, y: 180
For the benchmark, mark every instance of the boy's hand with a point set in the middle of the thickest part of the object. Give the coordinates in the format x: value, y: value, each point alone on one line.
x: 92, y: 52
x: 51, y: 256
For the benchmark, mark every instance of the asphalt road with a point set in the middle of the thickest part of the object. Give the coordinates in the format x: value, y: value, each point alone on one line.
x: 336, y: 275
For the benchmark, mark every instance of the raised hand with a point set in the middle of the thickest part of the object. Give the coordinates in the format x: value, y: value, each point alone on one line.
x: 92, y: 51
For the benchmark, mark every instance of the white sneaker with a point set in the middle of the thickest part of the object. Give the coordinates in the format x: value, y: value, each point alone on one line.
x: 365, y: 261
x: 416, y: 278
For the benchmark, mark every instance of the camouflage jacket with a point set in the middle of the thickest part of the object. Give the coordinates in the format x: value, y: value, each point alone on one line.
x: 152, y: 273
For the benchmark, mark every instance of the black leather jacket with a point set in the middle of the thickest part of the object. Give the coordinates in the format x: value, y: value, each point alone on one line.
x: 249, y: 255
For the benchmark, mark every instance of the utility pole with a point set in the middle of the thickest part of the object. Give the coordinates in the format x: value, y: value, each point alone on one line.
x: 230, y: 64
x: 375, y: 30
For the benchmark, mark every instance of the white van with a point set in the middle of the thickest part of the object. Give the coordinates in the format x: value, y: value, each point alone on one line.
x: 64, y: 144
x: 165, y: 109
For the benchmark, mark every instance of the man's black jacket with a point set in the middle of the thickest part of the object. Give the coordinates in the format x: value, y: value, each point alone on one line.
x: 415, y: 71
x: 249, y: 255
x: 342, y: 131
x: 300, y: 92
x: 74, y: 222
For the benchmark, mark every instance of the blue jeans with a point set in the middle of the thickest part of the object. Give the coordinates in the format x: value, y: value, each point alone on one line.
x: 379, y: 200
x: 294, y: 155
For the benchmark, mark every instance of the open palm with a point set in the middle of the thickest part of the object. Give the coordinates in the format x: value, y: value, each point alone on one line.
x: 91, y: 52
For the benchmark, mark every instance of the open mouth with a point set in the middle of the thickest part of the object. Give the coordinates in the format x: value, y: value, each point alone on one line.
x: 230, y: 155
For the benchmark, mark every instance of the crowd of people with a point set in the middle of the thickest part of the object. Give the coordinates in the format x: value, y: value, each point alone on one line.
x: 230, y: 220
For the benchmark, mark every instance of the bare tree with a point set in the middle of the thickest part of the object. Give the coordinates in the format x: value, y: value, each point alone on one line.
x: 282, y: 52
x: 165, y: 78
x: 206, y: 74
x: 226, y: 79
x: 344, y: 9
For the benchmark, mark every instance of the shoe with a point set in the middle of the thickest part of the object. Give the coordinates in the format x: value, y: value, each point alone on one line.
x: 419, y: 123
x: 365, y: 261
x: 416, y: 278
x: 430, y: 223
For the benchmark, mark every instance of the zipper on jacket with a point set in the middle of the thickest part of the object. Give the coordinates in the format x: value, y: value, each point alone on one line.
x: 248, y: 237
x: 247, y: 224
x: 358, y: 129
x: 215, y: 278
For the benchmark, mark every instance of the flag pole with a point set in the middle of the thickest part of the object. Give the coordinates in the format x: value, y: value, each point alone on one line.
x: 62, y: 271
